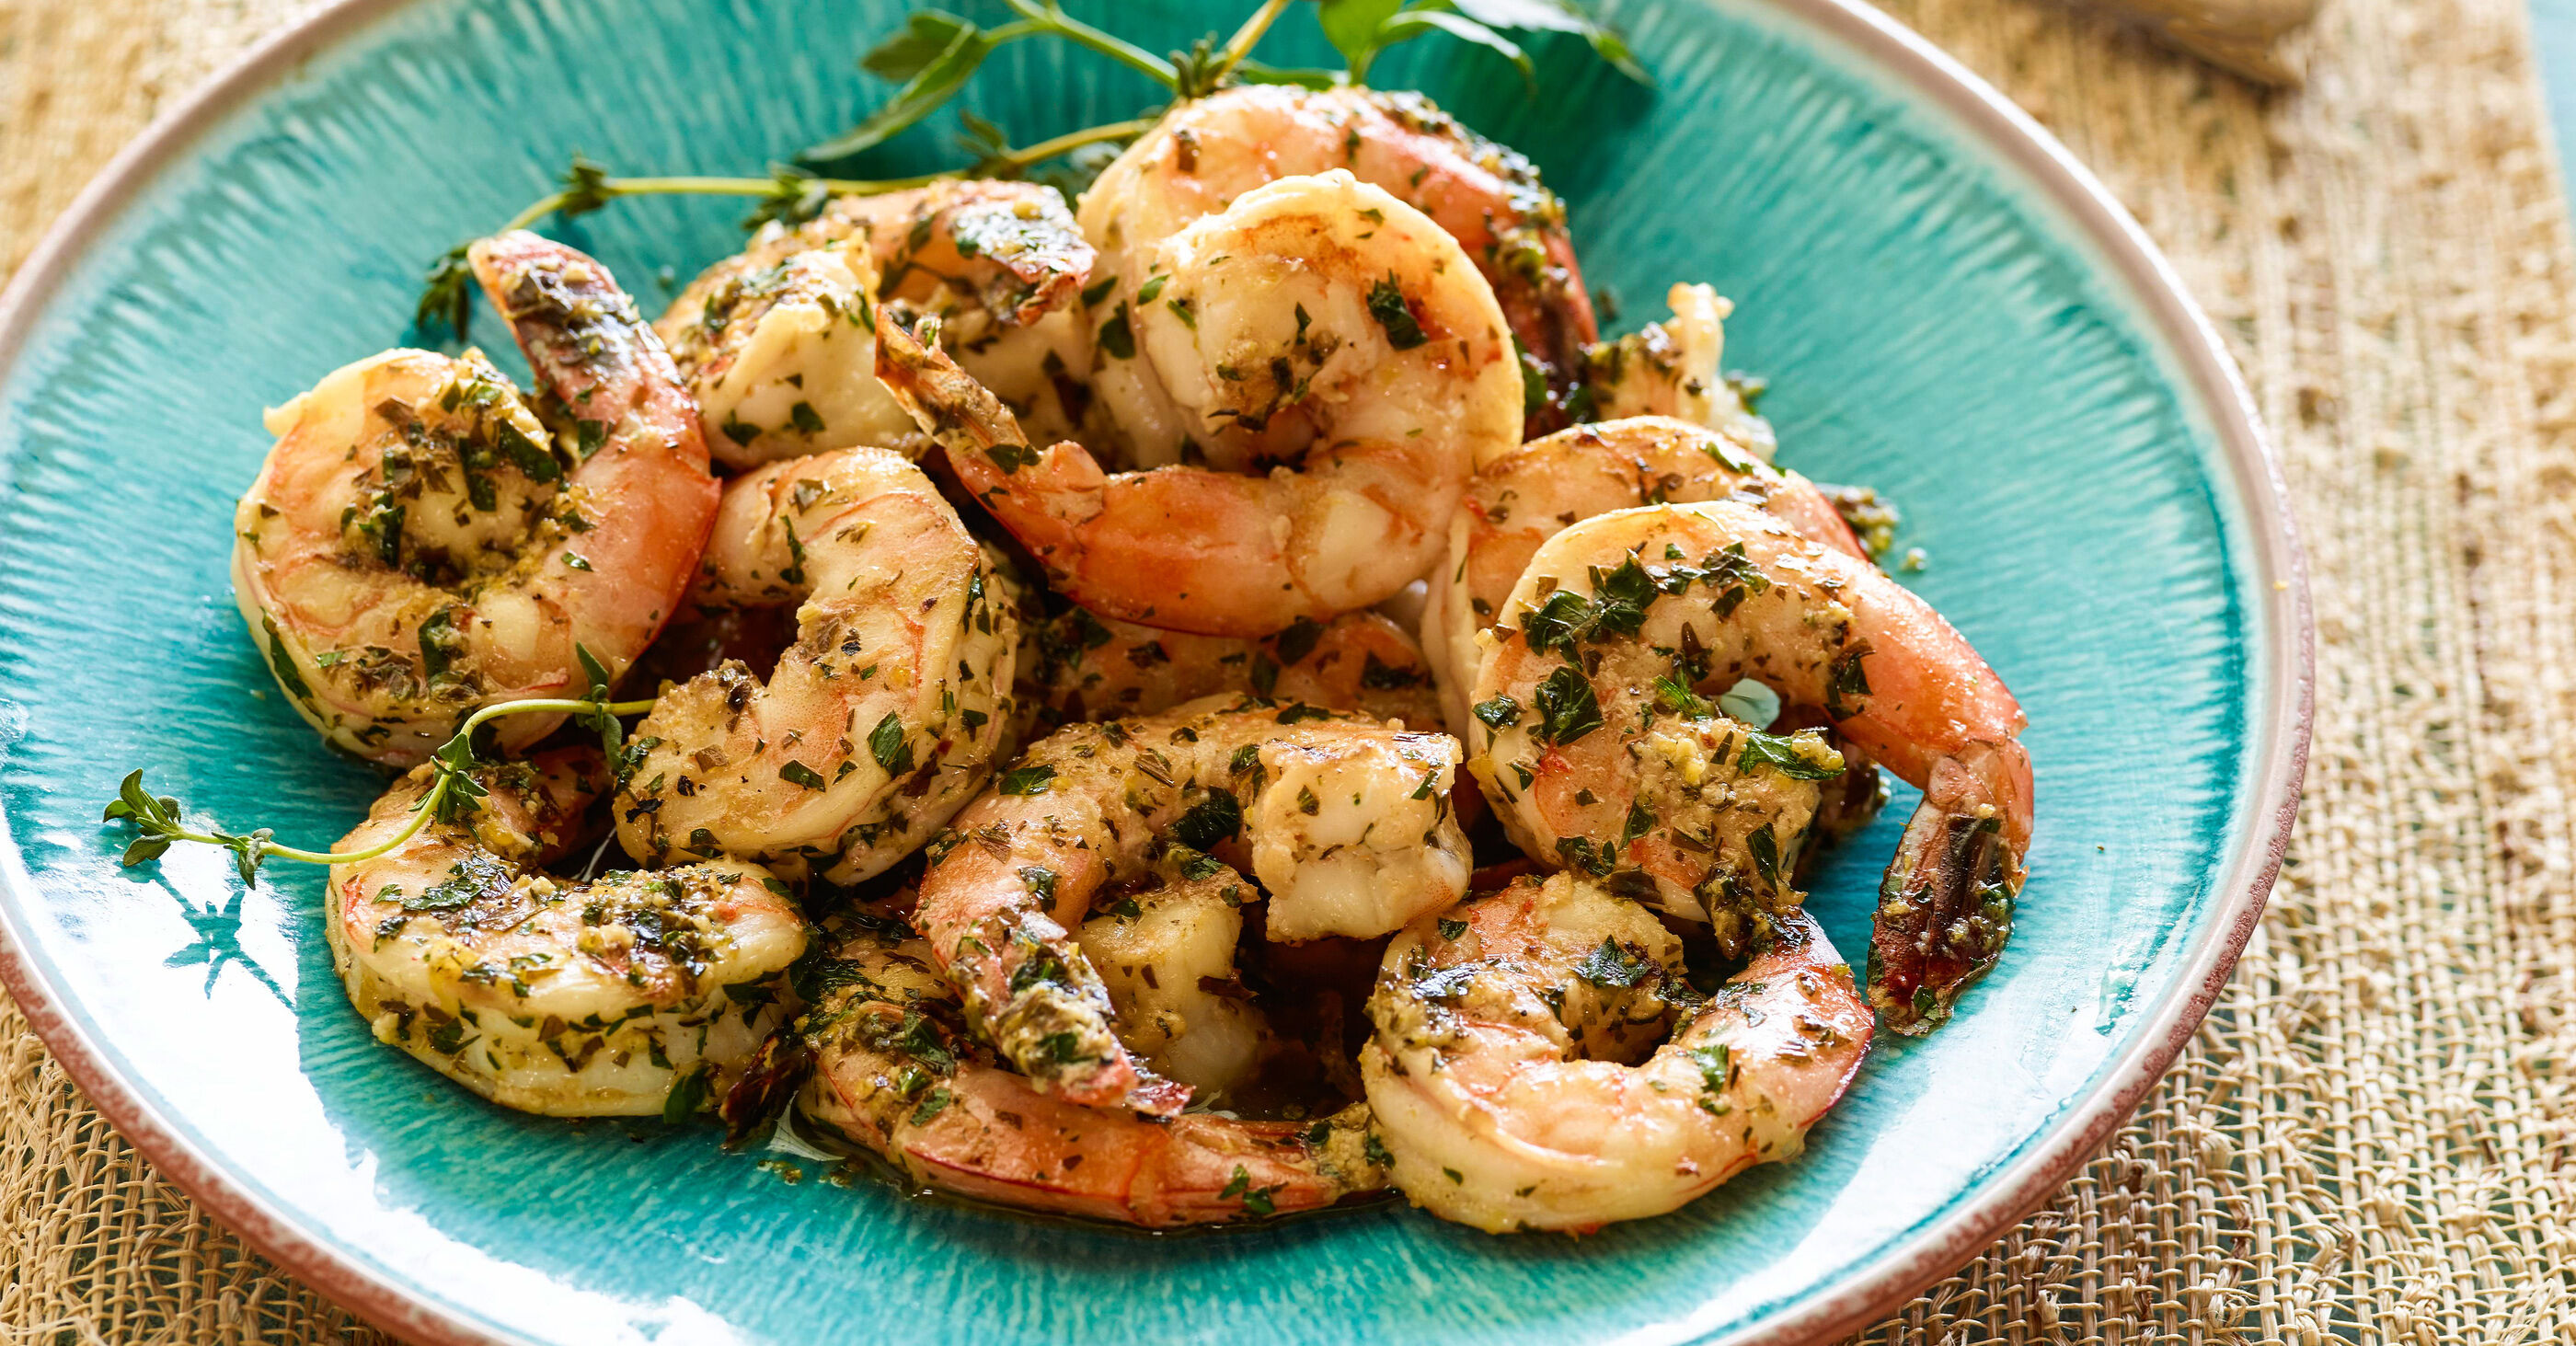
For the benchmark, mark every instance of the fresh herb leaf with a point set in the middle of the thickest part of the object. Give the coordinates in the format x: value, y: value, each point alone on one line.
x: 447, y: 293
x: 1796, y: 756
x: 1352, y: 27
x: 1611, y: 965
x: 688, y: 1094
x: 1026, y: 780
x: 1210, y: 821
x: 925, y: 36
x: 1766, y: 854
x: 1567, y: 708
x: 889, y: 746
x: 1413, y: 23
x: 1387, y: 304
x: 1298, y: 640
x: 933, y: 82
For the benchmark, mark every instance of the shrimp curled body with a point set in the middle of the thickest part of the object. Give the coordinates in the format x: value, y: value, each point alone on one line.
x: 1344, y: 822
x: 897, y: 1075
x: 417, y: 544
x: 545, y: 995
x: 882, y: 719
x: 1501, y: 1073
x: 1208, y: 153
x: 778, y: 342
x: 1520, y: 500
x: 1336, y: 336
x: 1599, y: 746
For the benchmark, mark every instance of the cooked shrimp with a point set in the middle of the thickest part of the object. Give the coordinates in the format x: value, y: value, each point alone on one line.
x: 1319, y: 322
x: 1672, y: 369
x: 1095, y: 667
x: 1603, y: 755
x: 1522, y: 499
x: 1164, y: 948
x: 778, y: 342
x: 1501, y: 1072
x: 897, y: 1075
x: 1345, y: 822
x: 1206, y: 154
x: 542, y: 994
x: 877, y: 724
x: 417, y: 545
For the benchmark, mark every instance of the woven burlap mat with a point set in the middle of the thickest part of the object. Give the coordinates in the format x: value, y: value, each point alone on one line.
x: 2367, y: 1141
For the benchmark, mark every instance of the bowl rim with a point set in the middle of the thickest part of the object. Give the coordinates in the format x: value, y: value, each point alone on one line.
x: 1947, y: 1241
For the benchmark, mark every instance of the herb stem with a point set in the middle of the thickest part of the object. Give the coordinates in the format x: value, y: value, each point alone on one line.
x: 1115, y: 48
x: 1011, y: 161
x: 1064, y: 144
x: 1245, y: 38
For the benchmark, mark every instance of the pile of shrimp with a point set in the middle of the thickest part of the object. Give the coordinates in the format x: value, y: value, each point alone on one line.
x: 1214, y: 701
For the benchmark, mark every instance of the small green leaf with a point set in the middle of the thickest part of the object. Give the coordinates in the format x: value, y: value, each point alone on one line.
x: 1567, y: 708
x: 585, y: 188
x: 1766, y: 853
x: 446, y: 293
x: 1796, y: 756
x: 144, y: 849
x: 889, y: 746
x: 1026, y: 780
x: 1611, y: 965
x: 1387, y: 304
x: 909, y: 50
x: 797, y: 773
x: 794, y: 197
x: 1557, y: 16
x: 282, y: 662
x: 1298, y: 640
x: 934, y: 83
x: 688, y: 1094
x: 932, y: 1104
x: 1499, y: 714
x: 1117, y: 338
x: 1352, y: 27
x: 1210, y: 821
x: 1254, y: 72
x: 1414, y: 23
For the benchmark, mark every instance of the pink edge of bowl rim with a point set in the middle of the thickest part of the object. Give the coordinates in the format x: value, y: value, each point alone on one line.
x: 1945, y: 1243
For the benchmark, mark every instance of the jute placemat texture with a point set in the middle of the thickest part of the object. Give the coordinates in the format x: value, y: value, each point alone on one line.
x: 2369, y: 1139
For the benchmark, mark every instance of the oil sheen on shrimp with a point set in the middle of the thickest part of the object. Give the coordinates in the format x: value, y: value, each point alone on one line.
x: 1604, y: 756
x: 548, y: 995
x: 418, y: 545
x: 882, y: 719
x: 778, y: 342
x: 1344, y: 822
x: 1207, y: 153
x: 1522, y: 1078
x: 1523, y: 498
x: 897, y: 1075
x: 1329, y: 330
x: 1672, y: 368
x: 1094, y: 668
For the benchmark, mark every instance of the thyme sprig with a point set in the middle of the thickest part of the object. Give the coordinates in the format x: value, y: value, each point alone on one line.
x: 160, y: 821
x: 790, y: 195
x: 1363, y: 29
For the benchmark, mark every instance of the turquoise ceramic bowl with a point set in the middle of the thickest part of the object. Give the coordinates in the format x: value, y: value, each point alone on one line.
x: 1947, y: 306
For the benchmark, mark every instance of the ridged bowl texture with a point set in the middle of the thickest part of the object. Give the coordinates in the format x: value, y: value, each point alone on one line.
x: 1931, y: 324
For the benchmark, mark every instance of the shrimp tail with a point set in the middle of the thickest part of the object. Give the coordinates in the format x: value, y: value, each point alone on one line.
x: 984, y: 441
x: 1945, y: 909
